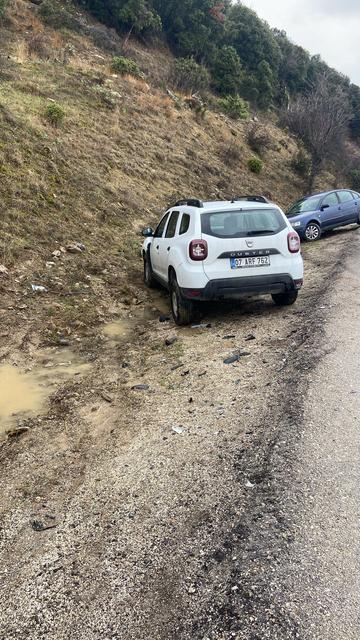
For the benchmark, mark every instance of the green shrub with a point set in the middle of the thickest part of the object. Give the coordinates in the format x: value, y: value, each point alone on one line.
x: 255, y: 164
x: 107, y: 96
x: 54, y: 113
x: 126, y: 66
x: 355, y: 179
x: 301, y: 163
x: 54, y: 15
x: 188, y: 76
x: 235, y: 107
x: 3, y: 5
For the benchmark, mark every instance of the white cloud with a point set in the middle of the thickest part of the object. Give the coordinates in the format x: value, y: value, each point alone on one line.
x: 328, y: 27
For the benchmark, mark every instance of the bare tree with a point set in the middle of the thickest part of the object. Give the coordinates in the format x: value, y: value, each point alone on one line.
x: 321, y: 119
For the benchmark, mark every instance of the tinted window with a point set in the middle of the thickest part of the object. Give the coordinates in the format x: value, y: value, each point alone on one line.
x: 160, y: 230
x: 170, y: 231
x: 304, y: 206
x: 331, y: 200
x: 240, y: 224
x: 345, y: 196
x: 185, y: 224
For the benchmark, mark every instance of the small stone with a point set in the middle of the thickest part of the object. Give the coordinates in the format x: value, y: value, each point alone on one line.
x: 106, y: 397
x: 3, y: 270
x: 140, y: 387
x: 170, y: 341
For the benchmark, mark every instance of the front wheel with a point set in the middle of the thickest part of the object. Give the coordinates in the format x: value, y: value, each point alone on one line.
x: 312, y: 232
x: 285, y: 299
x: 183, y: 310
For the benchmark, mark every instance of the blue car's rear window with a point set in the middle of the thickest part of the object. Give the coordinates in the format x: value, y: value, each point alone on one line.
x: 304, y: 206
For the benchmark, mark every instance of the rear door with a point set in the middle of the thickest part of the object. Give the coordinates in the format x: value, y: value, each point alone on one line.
x: 167, y: 243
x: 348, y: 208
x: 330, y: 211
x: 245, y: 242
x: 156, y: 245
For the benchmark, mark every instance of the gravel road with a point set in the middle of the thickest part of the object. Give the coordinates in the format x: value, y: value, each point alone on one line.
x: 325, y: 560
x: 217, y: 501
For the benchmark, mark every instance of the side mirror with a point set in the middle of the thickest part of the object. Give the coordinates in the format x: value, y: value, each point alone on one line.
x: 148, y: 232
x: 325, y: 206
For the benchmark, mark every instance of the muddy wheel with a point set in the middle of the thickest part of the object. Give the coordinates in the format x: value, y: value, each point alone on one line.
x: 183, y: 310
x: 148, y: 273
x: 312, y: 232
x: 285, y: 299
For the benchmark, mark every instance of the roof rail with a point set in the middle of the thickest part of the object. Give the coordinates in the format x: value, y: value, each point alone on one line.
x: 189, y: 202
x: 251, y: 199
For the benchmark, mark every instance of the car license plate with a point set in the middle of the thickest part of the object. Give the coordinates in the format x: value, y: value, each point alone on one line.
x: 246, y: 263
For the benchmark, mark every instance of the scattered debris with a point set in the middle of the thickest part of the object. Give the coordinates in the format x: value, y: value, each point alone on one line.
x: 3, y: 270
x: 38, y: 288
x: 177, y: 366
x: 250, y: 337
x: 170, y: 341
x: 63, y: 342
x: 236, y: 357
x: 228, y: 337
x: 192, y: 589
x: 106, y: 397
x: 201, y: 326
x: 163, y: 318
x: 38, y: 525
x: 140, y: 387
x: 57, y: 253
x: 249, y: 484
x: 185, y: 373
x: 203, y: 373
x: 75, y: 247
x: 177, y: 429
x: 14, y: 433
x: 49, y: 264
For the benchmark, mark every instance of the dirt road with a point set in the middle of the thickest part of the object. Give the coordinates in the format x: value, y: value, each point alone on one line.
x: 177, y: 509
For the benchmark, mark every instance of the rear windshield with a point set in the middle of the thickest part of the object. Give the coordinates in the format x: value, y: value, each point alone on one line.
x: 242, y: 223
x: 304, y: 206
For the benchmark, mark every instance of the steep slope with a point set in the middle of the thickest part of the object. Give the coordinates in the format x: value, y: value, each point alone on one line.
x: 122, y: 152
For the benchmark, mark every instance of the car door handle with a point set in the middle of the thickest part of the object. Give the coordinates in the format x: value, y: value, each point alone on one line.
x: 168, y: 248
x: 158, y: 246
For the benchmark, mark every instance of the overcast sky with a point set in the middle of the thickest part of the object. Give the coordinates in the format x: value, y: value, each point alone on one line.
x: 328, y: 27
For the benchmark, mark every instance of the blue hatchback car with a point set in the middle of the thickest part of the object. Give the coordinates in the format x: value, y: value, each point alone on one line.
x: 314, y: 214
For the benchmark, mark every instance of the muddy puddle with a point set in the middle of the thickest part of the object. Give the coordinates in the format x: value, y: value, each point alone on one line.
x: 24, y: 393
x: 123, y: 329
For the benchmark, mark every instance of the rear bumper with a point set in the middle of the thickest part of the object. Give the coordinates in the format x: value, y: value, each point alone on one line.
x: 238, y: 287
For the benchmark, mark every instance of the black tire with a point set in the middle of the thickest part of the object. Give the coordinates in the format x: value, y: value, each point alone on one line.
x: 312, y: 232
x: 183, y: 310
x: 285, y: 299
x: 149, y: 279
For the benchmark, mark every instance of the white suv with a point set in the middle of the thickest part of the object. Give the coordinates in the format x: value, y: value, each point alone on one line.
x: 222, y: 250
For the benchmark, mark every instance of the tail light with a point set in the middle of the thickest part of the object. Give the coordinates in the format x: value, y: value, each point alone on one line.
x: 198, y: 250
x: 293, y: 242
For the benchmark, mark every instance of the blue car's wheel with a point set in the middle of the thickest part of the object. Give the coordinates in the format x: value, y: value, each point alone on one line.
x: 312, y: 232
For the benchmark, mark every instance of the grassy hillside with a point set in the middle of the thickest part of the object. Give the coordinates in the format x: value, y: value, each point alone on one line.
x: 123, y: 151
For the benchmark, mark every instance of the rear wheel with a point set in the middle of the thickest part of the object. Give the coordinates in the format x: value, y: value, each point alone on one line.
x: 285, y: 299
x: 312, y: 232
x: 183, y: 310
x: 148, y: 273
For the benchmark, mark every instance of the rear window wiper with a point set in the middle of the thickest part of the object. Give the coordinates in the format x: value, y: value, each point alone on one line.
x: 261, y: 232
